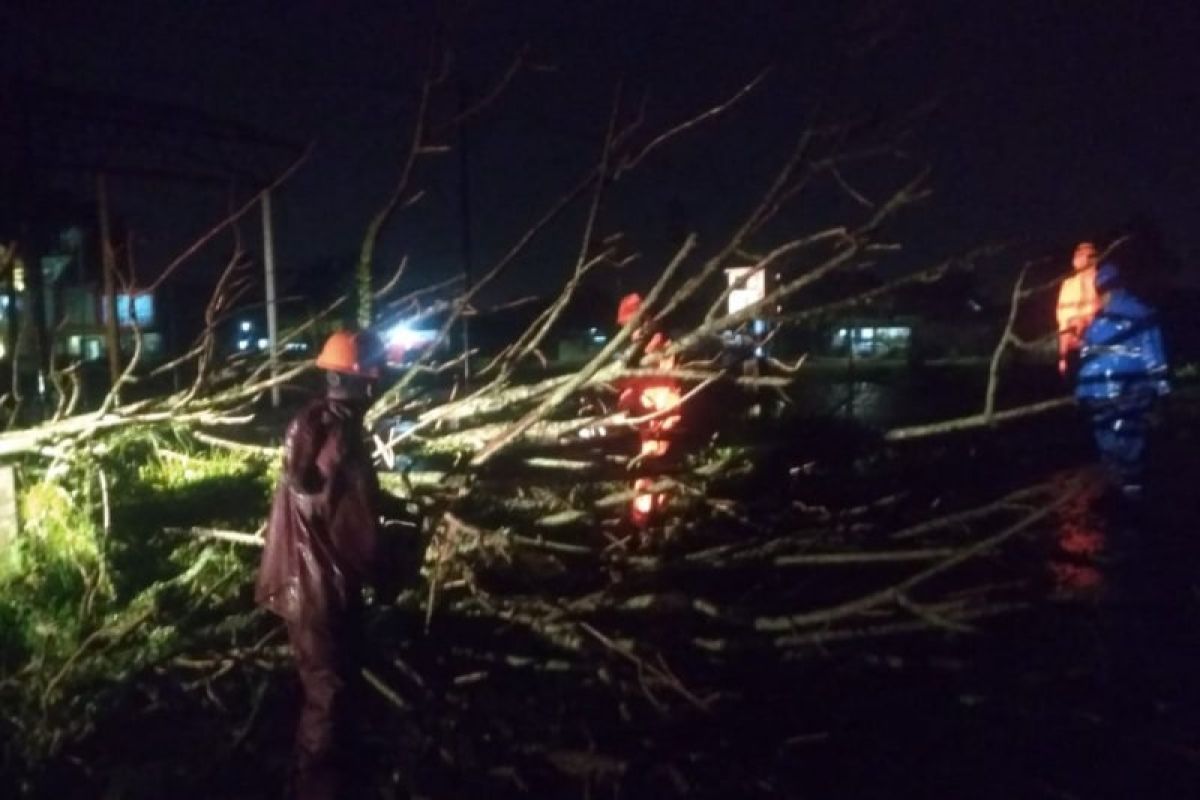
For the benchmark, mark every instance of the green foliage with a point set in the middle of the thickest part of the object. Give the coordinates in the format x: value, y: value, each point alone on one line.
x: 96, y: 590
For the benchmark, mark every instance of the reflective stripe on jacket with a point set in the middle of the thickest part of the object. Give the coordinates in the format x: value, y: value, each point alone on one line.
x: 1122, y: 351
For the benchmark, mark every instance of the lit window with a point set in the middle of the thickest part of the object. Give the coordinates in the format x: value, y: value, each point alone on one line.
x: 246, y: 326
x: 140, y: 310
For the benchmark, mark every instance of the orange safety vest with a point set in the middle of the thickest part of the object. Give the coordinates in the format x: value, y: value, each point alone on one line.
x: 644, y: 397
x: 1078, y: 302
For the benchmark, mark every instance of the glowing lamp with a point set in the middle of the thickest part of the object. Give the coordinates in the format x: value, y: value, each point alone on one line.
x: 751, y: 286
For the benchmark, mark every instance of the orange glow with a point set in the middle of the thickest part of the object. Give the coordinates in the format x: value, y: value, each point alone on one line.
x: 657, y: 397
x: 661, y: 398
x: 655, y: 448
x: 1078, y: 303
x: 645, y: 504
x: 1081, y: 539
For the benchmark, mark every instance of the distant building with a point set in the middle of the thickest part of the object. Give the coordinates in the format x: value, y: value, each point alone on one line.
x: 74, y: 307
x: 878, y: 338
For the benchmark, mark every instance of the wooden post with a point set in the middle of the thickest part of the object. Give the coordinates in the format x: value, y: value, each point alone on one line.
x: 10, y: 312
x: 269, y: 282
x: 10, y: 507
x: 464, y: 206
x: 108, y: 260
x: 35, y: 290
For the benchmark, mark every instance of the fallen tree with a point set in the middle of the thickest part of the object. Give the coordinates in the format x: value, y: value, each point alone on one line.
x: 128, y: 593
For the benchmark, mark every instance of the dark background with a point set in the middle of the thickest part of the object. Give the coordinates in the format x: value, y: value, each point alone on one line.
x: 1051, y: 121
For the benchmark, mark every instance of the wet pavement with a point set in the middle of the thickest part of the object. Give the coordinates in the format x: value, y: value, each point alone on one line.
x: 1094, y: 692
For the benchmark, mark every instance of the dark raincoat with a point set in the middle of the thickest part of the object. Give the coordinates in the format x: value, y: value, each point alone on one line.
x: 319, y: 552
x: 321, y: 539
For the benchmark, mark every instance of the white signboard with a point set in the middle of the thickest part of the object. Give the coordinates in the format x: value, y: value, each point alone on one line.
x: 751, y: 290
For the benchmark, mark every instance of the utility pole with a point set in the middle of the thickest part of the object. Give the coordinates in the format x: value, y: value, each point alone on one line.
x: 108, y: 260
x: 464, y: 200
x: 269, y: 282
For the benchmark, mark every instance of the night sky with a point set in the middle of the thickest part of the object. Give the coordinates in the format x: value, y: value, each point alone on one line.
x: 1052, y: 120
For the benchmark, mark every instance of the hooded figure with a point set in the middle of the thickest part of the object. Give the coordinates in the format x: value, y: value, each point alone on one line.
x: 320, y: 551
x: 1123, y: 371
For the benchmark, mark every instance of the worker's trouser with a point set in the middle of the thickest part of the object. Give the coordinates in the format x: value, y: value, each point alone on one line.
x: 1120, y: 427
x: 327, y: 660
x: 646, y: 504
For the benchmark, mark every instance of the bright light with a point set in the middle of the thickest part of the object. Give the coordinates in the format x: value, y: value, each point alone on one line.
x: 246, y: 326
x: 262, y: 343
x: 243, y: 344
x: 402, y: 336
x: 599, y: 338
x: 139, y: 309
x: 752, y: 289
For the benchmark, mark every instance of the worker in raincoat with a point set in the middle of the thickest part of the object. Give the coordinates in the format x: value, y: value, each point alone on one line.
x: 1123, y: 372
x: 321, y: 551
x: 1078, y: 303
x: 656, y: 399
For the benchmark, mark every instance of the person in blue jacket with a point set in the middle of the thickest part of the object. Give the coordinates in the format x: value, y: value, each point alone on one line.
x: 1123, y: 372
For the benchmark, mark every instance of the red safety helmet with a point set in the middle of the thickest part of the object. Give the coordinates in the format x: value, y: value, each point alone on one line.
x: 630, y: 305
x: 350, y: 353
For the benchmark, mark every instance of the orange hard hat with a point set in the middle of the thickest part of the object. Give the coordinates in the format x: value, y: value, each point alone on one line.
x: 630, y: 305
x: 352, y: 354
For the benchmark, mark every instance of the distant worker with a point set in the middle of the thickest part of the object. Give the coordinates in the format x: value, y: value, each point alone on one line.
x: 1078, y: 303
x: 320, y: 551
x: 655, y: 398
x: 1123, y: 372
